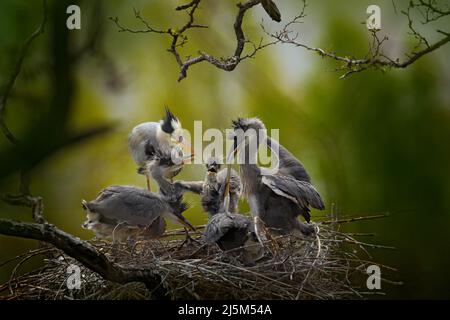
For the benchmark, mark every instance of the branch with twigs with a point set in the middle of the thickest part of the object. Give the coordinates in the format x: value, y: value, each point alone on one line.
x: 81, y: 250
x: 375, y: 59
x: 179, y: 38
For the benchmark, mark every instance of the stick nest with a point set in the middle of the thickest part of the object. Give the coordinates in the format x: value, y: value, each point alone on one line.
x: 331, y: 265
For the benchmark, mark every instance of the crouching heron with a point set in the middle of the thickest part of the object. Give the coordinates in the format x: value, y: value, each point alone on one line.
x: 159, y: 142
x: 126, y: 212
x: 277, y: 197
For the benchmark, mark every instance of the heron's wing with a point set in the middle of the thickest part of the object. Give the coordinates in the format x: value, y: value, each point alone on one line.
x: 221, y: 223
x: 300, y: 192
x: 288, y: 164
x: 141, y: 141
x: 191, y: 186
x: 129, y: 205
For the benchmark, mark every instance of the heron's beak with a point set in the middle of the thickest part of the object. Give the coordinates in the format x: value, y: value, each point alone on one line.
x: 226, y: 195
x: 186, y: 144
x: 232, y: 153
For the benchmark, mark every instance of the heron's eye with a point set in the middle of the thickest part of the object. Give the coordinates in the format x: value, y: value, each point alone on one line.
x: 180, y: 139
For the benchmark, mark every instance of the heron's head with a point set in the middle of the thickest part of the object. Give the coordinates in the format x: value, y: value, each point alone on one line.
x: 92, y: 218
x: 246, y: 124
x: 245, y: 129
x: 212, y: 165
x: 91, y: 222
x: 172, y: 128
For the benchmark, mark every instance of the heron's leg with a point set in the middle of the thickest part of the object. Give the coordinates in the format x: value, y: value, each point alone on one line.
x: 257, y: 229
x: 148, y: 182
x: 188, y: 240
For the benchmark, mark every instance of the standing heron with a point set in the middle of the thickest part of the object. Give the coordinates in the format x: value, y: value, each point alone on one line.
x: 275, y: 197
x: 124, y: 212
x: 158, y: 142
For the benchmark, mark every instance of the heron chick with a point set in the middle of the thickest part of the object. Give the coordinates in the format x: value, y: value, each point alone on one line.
x: 228, y: 229
x: 214, y: 181
x: 124, y: 212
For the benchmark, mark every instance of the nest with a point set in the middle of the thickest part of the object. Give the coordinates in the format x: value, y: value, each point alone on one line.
x: 331, y: 265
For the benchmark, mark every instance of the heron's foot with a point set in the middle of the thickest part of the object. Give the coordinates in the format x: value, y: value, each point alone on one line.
x: 308, y: 229
x: 188, y: 241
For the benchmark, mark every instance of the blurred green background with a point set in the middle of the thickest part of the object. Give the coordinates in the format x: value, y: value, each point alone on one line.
x: 372, y: 143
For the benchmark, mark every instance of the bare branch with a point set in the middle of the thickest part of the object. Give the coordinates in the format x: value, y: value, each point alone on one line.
x: 80, y: 250
x: 375, y: 59
x: 179, y: 38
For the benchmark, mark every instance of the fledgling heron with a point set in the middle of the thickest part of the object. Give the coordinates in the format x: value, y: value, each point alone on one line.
x: 158, y: 142
x: 275, y: 197
x: 234, y: 232
x: 225, y: 227
x: 124, y: 212
x: 214, y: 182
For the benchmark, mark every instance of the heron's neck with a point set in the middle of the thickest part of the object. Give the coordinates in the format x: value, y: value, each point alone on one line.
x: 211, y: 179
x: 249, y: 170
x: 163, y: 138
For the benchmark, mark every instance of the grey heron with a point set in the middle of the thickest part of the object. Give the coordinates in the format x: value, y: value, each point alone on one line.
x: 123, y: 212
x: 225, y: 227
x: 214, y: 181
x: 275, y: 197
x: 158, y: 142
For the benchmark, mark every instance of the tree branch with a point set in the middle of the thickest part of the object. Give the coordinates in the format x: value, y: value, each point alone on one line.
x: 83, y: 252
x: 375, y: 59
x: 179, y: 38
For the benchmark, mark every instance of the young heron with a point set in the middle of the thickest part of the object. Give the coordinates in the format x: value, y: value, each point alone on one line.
x: 126, y: 212
x: 214, y: 181
x: 159, y: 142
x: 225, y: 227
x: 275, y: 197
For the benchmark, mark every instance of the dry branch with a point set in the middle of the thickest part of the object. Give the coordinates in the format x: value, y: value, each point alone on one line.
x: 80, y: 250
x: 179, y: 38
x: 375, y: 59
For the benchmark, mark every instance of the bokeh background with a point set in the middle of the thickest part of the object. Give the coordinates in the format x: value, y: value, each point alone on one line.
x: 374, y: 142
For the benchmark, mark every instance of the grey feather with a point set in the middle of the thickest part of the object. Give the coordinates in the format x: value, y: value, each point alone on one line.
x: 128, y: 204
x: 213, y: 189
x: 301, y: 192
x: 229, y: 231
